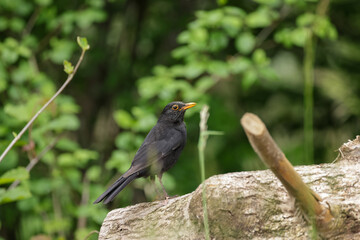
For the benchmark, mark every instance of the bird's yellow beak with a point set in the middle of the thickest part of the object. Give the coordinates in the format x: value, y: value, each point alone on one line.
x: 188, y: 105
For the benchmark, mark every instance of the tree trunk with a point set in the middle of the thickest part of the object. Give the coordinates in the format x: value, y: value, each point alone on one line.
x: 249, y: 205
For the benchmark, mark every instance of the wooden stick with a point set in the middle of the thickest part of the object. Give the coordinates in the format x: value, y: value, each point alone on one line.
x: 274, y: 158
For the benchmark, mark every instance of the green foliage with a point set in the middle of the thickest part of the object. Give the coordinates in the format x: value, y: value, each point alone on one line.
x: 235, y: 57
x: 19, y: 173
x: 245, y: 43
x: 321, y: 26
x: 14, y: 194
x: 83, y: 43
x: 68, y: 67
x: 27, y: 85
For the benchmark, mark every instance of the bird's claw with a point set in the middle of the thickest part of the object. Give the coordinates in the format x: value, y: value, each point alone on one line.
x: 170, y: 197
x: 166, y: 200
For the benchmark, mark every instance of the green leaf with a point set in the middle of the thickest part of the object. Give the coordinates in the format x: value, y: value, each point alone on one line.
x: 268, y: 73
x: 119, y: 160
x: 234, y: 11
x: 9, y: 56
x: 94, y: 173
x: 14, y: 194
x: 86, y: 17
x: 60, y: 49
x: 183, y: 37
x: 193, y: 70
x: 259, y: 57
x: 24, y: 51
x: 20, y: 112
x: 23, y: 73
x: 211, y: 18
x: 19, y: 173
x: 283, y: 36
x: 245, y: 43
x: 211, y: 132
x: 177, y: 70
x: 249, y: 78
x: 161, y: 70
x: 16, y: 24
x: 40, y: 186
x: 83, y: 43
x: 11, y: 42
x: 68, y: 67
x: 66, y: 160
x: 218, y: 68
x: 218, y: 40
x: 123, y: 119
x: 324, y: 29
x: 238, y: 65
x: 66, y: 104
x: 222, y: 2
x: 305, y: 19
x: 204, y: 83
x: 64, y: 122
x: 260, y: 18
x: 145, y: 119
x: 180, y: 52
x: 66, y: 144
x: 128, y: 140
x: 198, y: 38
x: 85, y: 155
x: 298, y: 36
x: 232, y: 24
x: 79, y: 159
x: 56, y: 225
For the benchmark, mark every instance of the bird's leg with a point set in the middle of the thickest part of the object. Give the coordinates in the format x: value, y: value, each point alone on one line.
x: 158, y: 194
x: 162, y: 185
x: 167, y: 197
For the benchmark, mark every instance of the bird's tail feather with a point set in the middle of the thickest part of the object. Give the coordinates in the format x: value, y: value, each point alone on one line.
x: 115, y: 188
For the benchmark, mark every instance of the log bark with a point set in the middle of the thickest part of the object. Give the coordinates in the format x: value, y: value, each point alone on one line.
x: 249, y: 205
x: 266, y: 148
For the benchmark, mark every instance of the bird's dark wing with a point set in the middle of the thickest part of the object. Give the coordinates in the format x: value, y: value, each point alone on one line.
x: 157, y: 145
x: 115, y: 188
x: 155, y: 148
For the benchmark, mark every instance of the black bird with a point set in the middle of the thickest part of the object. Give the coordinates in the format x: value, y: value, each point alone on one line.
x: 159, y: 151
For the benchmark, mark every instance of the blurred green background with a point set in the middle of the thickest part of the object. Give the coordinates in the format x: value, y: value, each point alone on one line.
x: 235, y: 56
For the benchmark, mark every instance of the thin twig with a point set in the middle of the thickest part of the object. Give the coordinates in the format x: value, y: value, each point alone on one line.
x: 204, y: 115
x: 36, y: 159
x: 44, y: 42
x: 309, y: 78
x: 30, y: 24
x: 309, y: 53
x: 264, y: 145
x: 265, y: 32
x: 68, y: 80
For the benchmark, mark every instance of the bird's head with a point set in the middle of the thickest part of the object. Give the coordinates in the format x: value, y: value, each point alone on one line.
x: 174, y: 111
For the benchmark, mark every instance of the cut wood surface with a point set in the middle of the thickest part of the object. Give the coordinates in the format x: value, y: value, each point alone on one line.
x: 248, y: 205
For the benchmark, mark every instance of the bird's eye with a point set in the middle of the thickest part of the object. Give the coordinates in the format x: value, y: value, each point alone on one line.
x: 175, y: 107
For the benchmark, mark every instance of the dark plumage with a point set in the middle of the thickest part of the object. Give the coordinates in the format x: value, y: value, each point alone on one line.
x: 159, y: 151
